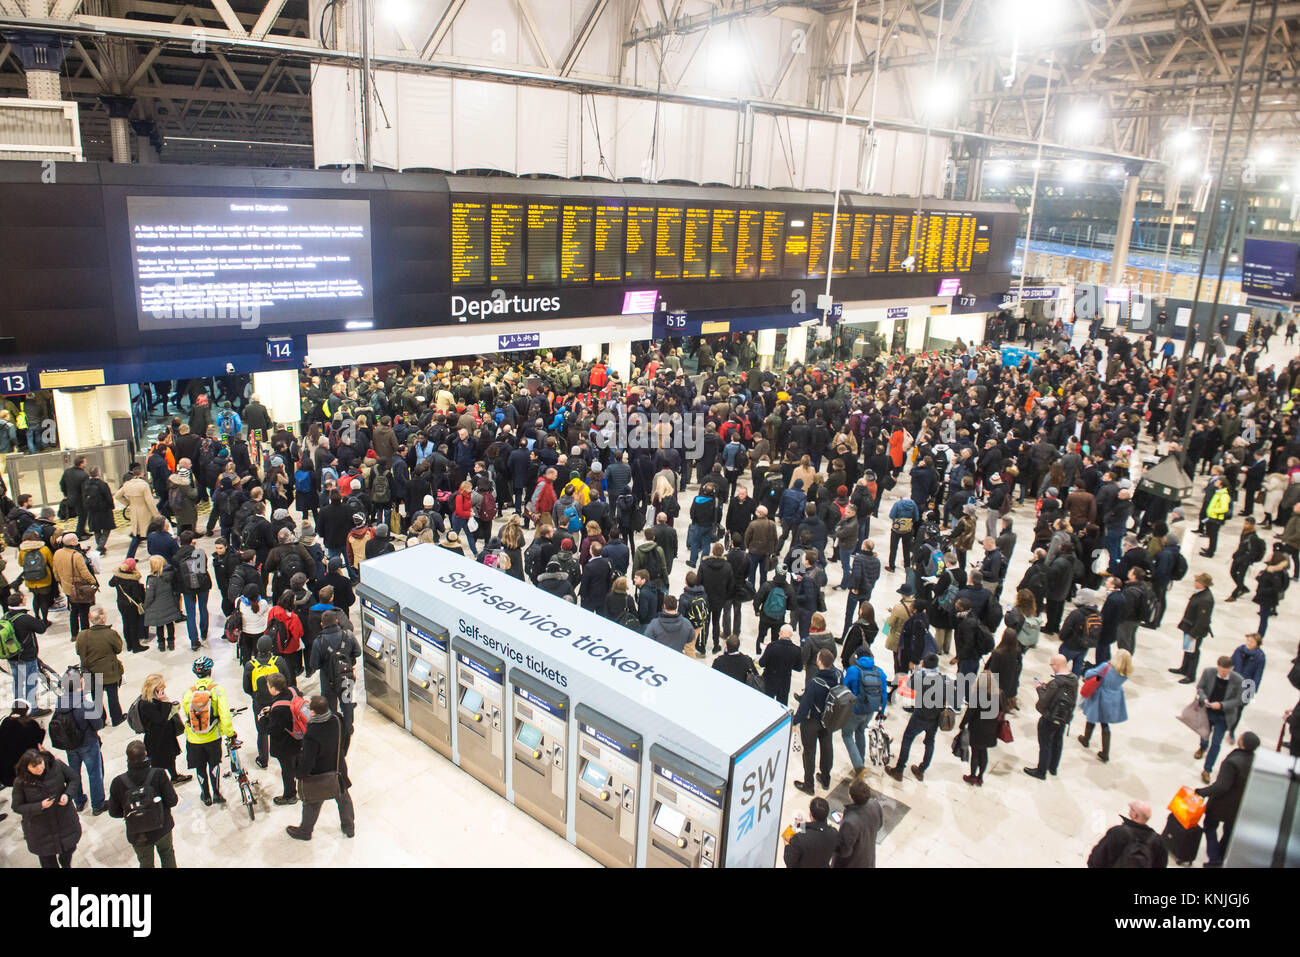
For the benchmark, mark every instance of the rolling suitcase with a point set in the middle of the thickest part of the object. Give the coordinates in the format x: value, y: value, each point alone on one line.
x: 1183, y: 843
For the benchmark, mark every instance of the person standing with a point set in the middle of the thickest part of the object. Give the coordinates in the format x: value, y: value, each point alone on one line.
x: 97, y: 504
x: 808, y: 718
x: 856, y: 844
x: 1250, y: 549
x: 982, y: 719
x: 1216, y: 513
x: 137, y: 495
x: 324, y: 752
x: 77, y: 582
x: 70, y: 485
x: 43, y: 795
x: 334, y: 654
x: 161, y: 606
x: 871, y: 689
x: 1224, y: 798
x: 1056, y: 698
x: 1219, y: 691
x: 780, y: 659
x: 1132, y: 843
x: 130, y: 605
x: 207, y: 720
x: 1107, y: 704
x: 933, y: 694
x: 98, y: 647
x: 193, y: 580
x: 814, y: 843
x: 1195, y: 625
x: 144, y: 797
x: 162, y: 723
x: 1271, y: 585
x: 285, y: 748
x: 23, y: 664
x: 75, y: 728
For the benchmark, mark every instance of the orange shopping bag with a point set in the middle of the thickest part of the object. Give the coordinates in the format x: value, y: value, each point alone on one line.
x: 906, y: 693
x: 1188, y: 807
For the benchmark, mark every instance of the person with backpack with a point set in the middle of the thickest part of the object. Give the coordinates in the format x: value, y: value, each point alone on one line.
x: 74, y: 728
x: 324, y: 751
x: 719, y: 583
x: 813, y: 732
x: 207, y: 718
x: 182, y: 496
x: 97, y: 505
x: 264, y: 663
x: 158, y: 718
x: 285, y: 629
x: 37, y: 572
x: 694, y: 603
x: 193, y: 580
x: 934, y: 694
x: 21, y: 650
x: 306, y: 489
x: 289, y: 557
x: 43, y: 795
x: 972, y: 641
x: 903, y: 518
x: 780, y: 659
x: 161, y: 607
x: 773, y: 605
x: 671, y: 628
x: 650, y: 557
x: 143, y: 797
x: 285, y: 717
x: 1170, y: 566
x: 706, y: 514
x: 1133, y: 843
x: 1056, y: 700
x: 1082, y: 630
x: 97, y: 648
x: 870, y: 690
x: 334, y: 654
x: 76, y: 581
x: 252, y: 613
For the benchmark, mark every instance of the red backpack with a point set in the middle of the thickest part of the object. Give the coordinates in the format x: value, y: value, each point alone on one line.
x: 301, y: 711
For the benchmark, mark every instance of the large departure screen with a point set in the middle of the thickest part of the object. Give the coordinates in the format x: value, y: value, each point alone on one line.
x: 215, y: 261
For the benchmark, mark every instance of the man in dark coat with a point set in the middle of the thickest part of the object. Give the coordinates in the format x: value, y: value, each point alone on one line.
x: 70, y: 485
x: 285, y: 748
x: 139, y: 774
x: 1224, y: 797
x: 856, y: 843
x: 1132, y: 843
x: 324, y: 751
x: 815, y: 843
x: 779, y: 660
x: 597, y: 575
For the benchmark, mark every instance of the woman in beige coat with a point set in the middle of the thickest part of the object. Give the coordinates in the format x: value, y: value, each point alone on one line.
x: 137, y: 495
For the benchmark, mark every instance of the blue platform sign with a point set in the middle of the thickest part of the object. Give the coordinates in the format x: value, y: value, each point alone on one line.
x: 837, y: 311
x: 896, y: 312
x: 519, y: 340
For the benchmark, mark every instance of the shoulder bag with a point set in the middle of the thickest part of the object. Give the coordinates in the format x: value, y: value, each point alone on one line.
x: 318, y: 788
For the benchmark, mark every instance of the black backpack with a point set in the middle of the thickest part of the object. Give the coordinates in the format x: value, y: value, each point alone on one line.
x: 1138, y: 853
x: 143, y: 808
x: 64, y: 733
x: 290, y: 565
x: 1179, y: 571
x: 340, y: 664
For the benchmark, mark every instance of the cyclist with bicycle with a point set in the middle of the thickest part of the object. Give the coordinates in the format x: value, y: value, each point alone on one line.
x: 207, y: 720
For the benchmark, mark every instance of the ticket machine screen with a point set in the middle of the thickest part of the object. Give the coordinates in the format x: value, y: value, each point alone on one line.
x: 595, y: 775
x: 420, y: 670
x: 670, y: 819
x: 375, y: 641
x: 471, y: 700
x: 529, y: 736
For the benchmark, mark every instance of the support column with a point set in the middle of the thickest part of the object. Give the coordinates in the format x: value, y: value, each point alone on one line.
x: 796, y: 345
x: 148, y: 141
x: 119, y: 124
x: 620, y: 360
x: 1124, y: 226
x: 82, y: 417
x: 41, y: 55
x: 975, y: 170
x: 278, y: 391
x: 766, y: 342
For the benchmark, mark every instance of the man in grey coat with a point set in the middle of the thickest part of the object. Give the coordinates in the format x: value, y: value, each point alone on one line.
x: 670, y: 628
x: 863, y: 818
x: 1219, y: 692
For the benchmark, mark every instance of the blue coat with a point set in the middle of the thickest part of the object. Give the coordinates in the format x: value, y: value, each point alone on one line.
x: 1107, y: 704
x: 1249, y: 664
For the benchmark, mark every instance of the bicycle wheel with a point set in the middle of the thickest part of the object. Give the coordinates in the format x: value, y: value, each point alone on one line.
x: 246, y: 795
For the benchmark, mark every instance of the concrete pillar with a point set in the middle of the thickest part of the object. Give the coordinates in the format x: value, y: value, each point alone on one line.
x: 620, y: 360
x: 119, y: 125
x: 278, y: 391
x: 82, y: 417
x: 796, y: 345
x: 591, y: 351
x: 41, y: 55
x: 148, y: 141
x: 1124, y: 225
x: 766, y: 342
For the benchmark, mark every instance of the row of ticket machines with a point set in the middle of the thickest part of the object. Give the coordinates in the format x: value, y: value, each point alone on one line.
x: 453, y: 696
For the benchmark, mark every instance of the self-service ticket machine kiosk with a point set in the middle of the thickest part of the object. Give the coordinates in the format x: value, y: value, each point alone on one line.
x: 428, y: 682
x: 685, y: 813
x: 540, y: 752
x: 608, y: 788
x: 381, y: 655
x: 480, y: 715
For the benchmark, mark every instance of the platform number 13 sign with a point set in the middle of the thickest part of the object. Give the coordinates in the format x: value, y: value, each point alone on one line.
x: 14, y: 383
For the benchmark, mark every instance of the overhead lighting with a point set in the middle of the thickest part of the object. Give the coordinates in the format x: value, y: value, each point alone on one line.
x: 398, y: 11
x: 1285, y: 187
x: 1000, y: 171
x: 1032, y: 18
x: 1075, y: 171
x: 1267, y: 156
x: 941, y: 98
x: 1115, y: 171
x: 1083, y: 120
x: 359, y: 324
x: 1182, y: 140
x: 1187, y: 168
x: 726, y: 62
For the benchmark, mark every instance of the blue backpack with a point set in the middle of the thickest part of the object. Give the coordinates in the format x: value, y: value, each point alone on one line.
x: 774, y: 604
x: 302, y: 481
x: 572, y: 519
x: 871, y: 691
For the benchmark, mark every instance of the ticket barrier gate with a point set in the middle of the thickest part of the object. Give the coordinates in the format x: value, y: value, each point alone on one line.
x: 608, y: 788
x: 540, y: 732
x: 381, y: 655
x: 428, y: 682
x: 686, y: 804
x: 480, y: 715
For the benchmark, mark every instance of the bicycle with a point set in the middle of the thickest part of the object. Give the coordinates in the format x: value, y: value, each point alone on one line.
x: 237, y: 770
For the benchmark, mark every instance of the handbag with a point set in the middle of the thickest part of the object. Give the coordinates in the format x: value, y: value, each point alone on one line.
x: 961, y: 745
x: 1197, y: 718
x: 902, y: 525
x: 1004, y: 730
x: 317, y: 788
x: 83, y: 593
x: 1090, y: 686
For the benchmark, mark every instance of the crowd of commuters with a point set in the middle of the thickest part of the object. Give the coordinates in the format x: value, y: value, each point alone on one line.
x: 764, y: 486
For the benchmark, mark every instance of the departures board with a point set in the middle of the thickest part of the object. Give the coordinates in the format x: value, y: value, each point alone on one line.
x: 548, y: 243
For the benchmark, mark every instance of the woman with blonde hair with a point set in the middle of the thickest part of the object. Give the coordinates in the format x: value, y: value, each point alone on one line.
x: 664, y: 498
x: 618, y: 603
x: 159, y: 715
x: 161, y: 606
x: 982, y: 719
x: 804, y: 470
x: 512, y: 541
x: 1106, y: 705
x: 592, y: 535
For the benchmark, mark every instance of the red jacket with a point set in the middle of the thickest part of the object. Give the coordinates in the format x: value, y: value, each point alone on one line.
x: 292, y: 625
x: 464, y: 505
